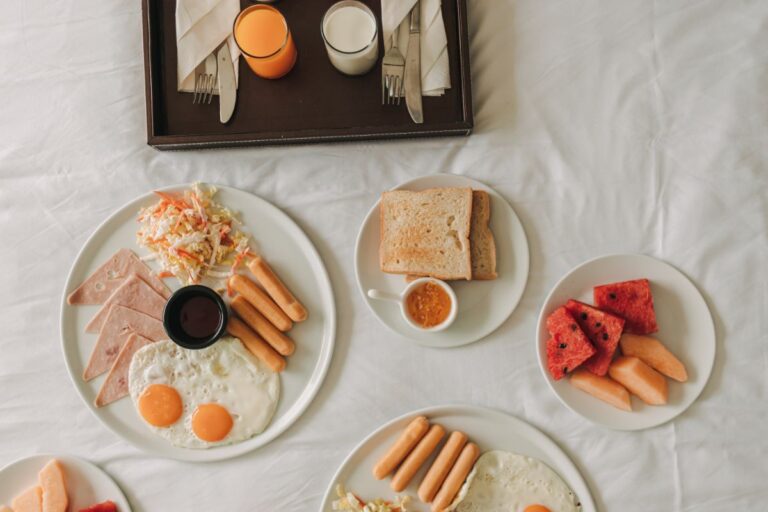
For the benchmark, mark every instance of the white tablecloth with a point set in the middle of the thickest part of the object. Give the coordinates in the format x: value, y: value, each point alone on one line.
x: 611, y: 126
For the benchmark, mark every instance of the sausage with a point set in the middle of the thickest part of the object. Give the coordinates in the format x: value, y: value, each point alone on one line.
x: 260, y: 301
x: 255, y: 345
x: 404, y: 444
x: 277, y: 290
x: 441, y: 466
x: 256, y: 321
x: 416, y: 458
x: 456, y: 477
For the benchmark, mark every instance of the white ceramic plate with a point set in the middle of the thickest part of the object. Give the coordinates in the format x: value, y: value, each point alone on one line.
x: 685, y: 327
x: 490, y: 429
x: 483, y: 305
x: 293, y: 257
x: 86, y: 483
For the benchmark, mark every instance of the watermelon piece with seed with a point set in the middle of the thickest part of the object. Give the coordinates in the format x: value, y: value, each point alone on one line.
x: 603, y: 330
x: 632, y: 301
x: 568, y: 346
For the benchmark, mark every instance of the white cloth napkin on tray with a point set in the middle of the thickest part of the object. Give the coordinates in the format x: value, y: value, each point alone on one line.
x: 201, y: 26
x: 435, y: 75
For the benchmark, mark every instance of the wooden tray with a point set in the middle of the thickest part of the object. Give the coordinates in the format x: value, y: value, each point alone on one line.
x: 313, y: 103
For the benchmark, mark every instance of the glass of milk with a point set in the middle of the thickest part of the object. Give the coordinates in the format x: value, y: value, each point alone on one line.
x: 351, y: 36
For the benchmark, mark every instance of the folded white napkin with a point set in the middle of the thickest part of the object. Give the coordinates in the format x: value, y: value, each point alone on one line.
x: 201, y: 26
x: 435, y: 76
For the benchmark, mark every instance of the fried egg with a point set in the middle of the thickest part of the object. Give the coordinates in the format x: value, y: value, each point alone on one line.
x: 201, y: 398
x: 508, y: 482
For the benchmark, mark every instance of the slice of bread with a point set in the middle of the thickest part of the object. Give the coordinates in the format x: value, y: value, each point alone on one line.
x: 426, y: 233
x: 481, y: 238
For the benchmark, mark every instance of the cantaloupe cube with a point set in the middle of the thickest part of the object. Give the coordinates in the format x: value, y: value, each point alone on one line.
x: 30, y: 500
x: 603, y: 388
x: 642, y: 380
x: 653, y: 353
x: 3, y: 508
x: 51, y: 479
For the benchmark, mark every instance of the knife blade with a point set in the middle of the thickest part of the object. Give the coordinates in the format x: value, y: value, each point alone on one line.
x: 226, y: 79
x: 413, y: 68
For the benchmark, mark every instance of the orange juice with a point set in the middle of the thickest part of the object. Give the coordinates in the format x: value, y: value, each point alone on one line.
x: 262, y: 34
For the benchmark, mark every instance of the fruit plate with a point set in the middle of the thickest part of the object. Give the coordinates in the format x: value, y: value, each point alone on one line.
x: 293, y: 258
x: 483, y: 305
x: 685, y: 327
x: 488, y: 428
x: 86, y: 483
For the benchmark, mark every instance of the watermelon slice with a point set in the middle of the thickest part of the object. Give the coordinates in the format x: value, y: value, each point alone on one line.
x: 631, y: 300
x: 603, y: 330
x: 107, y: 506
x: 568, y: 346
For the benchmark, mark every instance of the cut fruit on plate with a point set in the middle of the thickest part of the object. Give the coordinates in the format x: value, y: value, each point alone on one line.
x: 640, y: 379
x: 653, y: 353
x: 603, y: 330
x: 632, y: 301
x: 568, y: 347
x: 603, y: 388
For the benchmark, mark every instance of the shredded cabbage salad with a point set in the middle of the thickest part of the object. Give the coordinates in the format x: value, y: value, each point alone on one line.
x: 192, y: 236
x: 350, y: 501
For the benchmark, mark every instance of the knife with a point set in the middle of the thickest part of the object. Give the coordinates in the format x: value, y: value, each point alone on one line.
x: 226, y: 79
x: 413, y: 68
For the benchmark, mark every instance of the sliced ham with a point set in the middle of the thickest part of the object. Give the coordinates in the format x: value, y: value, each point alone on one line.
x: 115, y: 386
x: 107, y: 278
x: 119, y: 324
x: 134, y: 293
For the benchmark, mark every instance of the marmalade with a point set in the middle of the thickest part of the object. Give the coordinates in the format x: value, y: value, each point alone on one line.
x: 428, y: 305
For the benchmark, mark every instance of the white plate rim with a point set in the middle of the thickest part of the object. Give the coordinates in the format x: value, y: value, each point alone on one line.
x: 316, y: 379
x: 525, y: 265
x: 120, y: 500
x: 587, y: 502
x: 543, y: 364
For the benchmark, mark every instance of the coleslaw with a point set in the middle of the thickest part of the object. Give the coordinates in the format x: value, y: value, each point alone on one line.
x: 192, y: 236
x: 351, y: 502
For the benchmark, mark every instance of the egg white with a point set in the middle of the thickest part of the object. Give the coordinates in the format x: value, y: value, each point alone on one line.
x: 509, y: 482
x: 225, y: 373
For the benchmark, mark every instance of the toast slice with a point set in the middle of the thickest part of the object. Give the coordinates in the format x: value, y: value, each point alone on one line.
x: 481, y: 238
x: 426, y: 233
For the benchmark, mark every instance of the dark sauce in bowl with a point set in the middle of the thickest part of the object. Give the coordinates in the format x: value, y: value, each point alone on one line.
x: 200, y: 317
x: 195, y: 317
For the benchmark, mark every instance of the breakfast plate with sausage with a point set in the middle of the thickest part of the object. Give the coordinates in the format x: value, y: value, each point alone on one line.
x: 442, y: 260
x: 461, y: 458
x: 198, y: 322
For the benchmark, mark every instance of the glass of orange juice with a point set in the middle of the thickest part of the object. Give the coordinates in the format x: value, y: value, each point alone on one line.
x: 262, y: 34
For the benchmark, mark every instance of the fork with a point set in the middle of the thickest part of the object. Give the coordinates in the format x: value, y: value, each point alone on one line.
x: 392, y: 72
x: 205, y: 80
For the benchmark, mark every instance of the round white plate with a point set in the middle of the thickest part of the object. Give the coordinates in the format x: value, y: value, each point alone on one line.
x: 685, y: 327
x: 488, y: 428
x: 86, y: 483
x: 293, y: 257
x: 483, y: 305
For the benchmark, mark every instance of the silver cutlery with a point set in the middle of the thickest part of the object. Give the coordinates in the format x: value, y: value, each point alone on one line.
x: 392, y: 71
x: 226, y: 81
x: 413, y: 68
x: 205, y: 81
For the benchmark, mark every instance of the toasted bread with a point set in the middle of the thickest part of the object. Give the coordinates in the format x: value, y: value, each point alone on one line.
x: 481, y: 238
x: 426, y: 233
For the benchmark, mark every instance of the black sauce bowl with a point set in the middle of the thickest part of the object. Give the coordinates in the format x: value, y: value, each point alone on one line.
x: 172, y: 317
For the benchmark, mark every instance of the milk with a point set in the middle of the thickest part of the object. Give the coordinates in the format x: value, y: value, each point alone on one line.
x: 350, y: 33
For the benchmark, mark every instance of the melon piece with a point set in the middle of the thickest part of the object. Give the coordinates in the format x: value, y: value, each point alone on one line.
x: 632, y: 301
x: 653, y: 353
x: 30, y: 500
x: 3, y: 508
x: 568, y: 346
x: 603, y: 330
x: 107, y: 506
x: 603, y: 388
x: 642, y: 380
x: 51, y: 479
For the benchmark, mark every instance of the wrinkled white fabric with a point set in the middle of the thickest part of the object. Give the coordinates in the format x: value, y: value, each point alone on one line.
x: 610, y: 126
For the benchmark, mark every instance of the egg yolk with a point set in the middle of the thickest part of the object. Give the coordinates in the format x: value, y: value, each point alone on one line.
x: 160, y: 405
x: 536, y: 508
x: 211, y: 422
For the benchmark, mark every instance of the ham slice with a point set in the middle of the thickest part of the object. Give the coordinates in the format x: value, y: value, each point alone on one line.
x: 134, y: 293
x: 107, y: 278
x: 115, y: 386
x: 120, y: 323
x: 30, y: 500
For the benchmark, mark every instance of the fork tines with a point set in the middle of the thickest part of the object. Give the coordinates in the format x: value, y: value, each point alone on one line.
x: 391, y: 87
x: 205, y: 84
